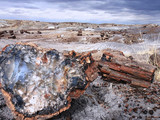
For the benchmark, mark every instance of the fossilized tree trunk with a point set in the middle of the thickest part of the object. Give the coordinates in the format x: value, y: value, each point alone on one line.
x: 114, y: 65
x: 39, y: 83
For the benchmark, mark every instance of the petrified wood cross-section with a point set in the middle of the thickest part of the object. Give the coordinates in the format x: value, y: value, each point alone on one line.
x: 39, y: 83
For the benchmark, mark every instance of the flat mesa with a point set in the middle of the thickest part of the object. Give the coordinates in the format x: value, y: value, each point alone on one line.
x: 39, y: 82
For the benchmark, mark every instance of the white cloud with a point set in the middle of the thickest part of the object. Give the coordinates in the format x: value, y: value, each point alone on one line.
x: 55, y: 12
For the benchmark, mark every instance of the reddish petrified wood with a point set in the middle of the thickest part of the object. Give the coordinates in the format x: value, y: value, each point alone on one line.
x: 87, y: 60
x: 79, y: 71
x: 114, y: 65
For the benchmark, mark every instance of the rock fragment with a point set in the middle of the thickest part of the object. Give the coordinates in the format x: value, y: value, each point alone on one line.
x: 79, y: 33
x: 39, y: 32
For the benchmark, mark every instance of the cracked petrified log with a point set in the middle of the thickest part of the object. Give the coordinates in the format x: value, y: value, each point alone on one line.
x: 39, y: 83
x: 114, y: 65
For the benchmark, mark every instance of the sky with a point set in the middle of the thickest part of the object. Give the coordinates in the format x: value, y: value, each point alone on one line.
x: 88, y: 11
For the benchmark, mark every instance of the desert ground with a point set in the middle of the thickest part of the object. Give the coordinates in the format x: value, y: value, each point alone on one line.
x: 130, y: 39
x: 103, y: 100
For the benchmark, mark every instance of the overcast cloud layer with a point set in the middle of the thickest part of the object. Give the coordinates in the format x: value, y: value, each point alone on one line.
x: 94, y: 11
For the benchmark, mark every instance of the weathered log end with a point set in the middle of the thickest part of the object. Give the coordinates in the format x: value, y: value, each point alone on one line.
x: 114, y: 65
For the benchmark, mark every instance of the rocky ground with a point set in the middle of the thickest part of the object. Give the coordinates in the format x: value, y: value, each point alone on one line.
x: 106, y: 100
x: 131, y: 39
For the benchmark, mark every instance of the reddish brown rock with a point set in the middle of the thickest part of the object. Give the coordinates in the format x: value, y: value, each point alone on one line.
x: 114, y: 65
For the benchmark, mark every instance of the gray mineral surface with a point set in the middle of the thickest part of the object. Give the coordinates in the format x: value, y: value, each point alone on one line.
x: 39, y: 80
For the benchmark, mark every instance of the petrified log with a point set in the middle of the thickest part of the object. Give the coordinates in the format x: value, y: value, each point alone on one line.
x: 39, y: 32
x: 11, y: 32
x: 3, y: 32
x: 12, y: 37
x: 21, y: 31
x: 39, y: 83
x: 114, y: 65
x: 102, y: 34
x: 79, y: 33
x: 24, y: 31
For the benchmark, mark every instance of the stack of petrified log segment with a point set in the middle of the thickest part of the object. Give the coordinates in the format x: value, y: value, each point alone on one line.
x: 113, y: 65
x: 10, y: 34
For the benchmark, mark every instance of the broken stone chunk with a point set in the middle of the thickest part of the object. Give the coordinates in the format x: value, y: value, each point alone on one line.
x: 39, y: 83
x: 79, y: 33
x: 12, y: 37
x: 39, y: 32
